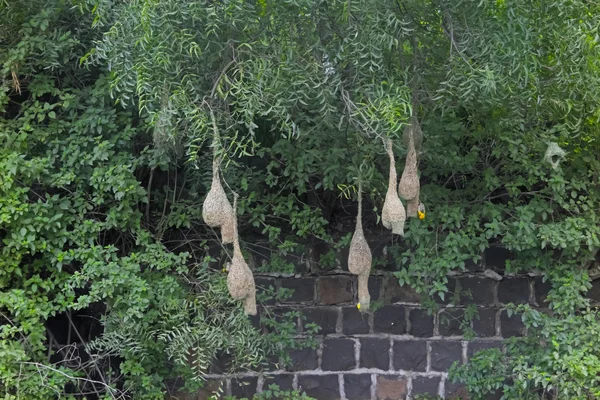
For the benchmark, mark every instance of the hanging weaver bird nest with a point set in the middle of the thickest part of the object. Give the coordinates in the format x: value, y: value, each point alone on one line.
x: 409, y: 186
x: 554, y: 155
x: 393, y: 215
x: 359, y: 258
x: 216, y: 210
x: 412, y: 207
x: 413, y: 129
x: 240, y: 280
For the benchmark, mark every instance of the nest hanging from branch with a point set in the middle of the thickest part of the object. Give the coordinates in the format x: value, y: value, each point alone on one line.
x: 409, y: 186
x: 414, y: 130
x: 240, y: 281
x: 360, y: 258
x: 216, y: 210
x: 393, y: 215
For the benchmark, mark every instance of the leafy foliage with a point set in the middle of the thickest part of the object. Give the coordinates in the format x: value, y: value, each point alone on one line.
x: 100, y: 201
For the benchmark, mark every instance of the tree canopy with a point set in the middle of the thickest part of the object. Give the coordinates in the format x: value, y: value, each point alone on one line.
x: 109, y: 112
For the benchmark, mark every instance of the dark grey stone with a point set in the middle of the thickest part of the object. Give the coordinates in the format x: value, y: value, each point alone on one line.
x: 394, y: 293
x: 304, y: 289
x: 541, y: 290
x: 410, y: 355
x: 421, y: 323
x: 449, y: 295
x: 425, y: 385
x: 303, y: 359
x: 338, y: 355
x: 320, y: 386
x: 390, y: 319
x: 284, y: 381
x: 456, y: 391
x: 244, y: 387
x: 511, y: 326
x: 374, y: 287
x: 444, y: 354
x: 374, y: 353
x: 475, y: 346
x: 594, y: 292
x: 496, y: 256
x: 325, y: 317
x: 354, y: 322
x: 264, y: 285
x: 513, y: 290
x: 484, y: 324
x: 481, y: 291
x: 357, y: 386
x: 449, y: 322
x: 335, y: 289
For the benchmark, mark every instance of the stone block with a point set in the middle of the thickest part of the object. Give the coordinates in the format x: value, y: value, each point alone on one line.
x: 484, y: 323
x: 283, y: 381
x: 391, y: 387
x: 456, y: 391
x: 449, y: 295
x: 541, y: 290
x: 263, y: 286
x: 374, y: 287
x: 449, y: 322
x: 357, y: 386
x: 495, y: 258
x: 211, y: 386
x: 425, y: 385
x: 374, y: 353
x: 390, y: 319
x: 394, y: 293
x: 421, y: 323
x: 475, y: 346
x: 511, y: 326
x: 354, y: 322
x: 481, y: 291
x: 335, y: 289
x: 325, y: 317
x: 444, y: 354
x: 338, y: 355
x: 244, y: 387
x: 280, y: 315
x: 513, y: 290
x: 320, y: 386
x: 221, y: 363
x: 594, y: 292
x: 410, y: 355
x: 304, y: 289
x: 303, y: 359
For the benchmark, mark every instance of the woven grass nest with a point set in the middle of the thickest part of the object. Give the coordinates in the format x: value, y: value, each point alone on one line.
x: 393, y: 215
x: 409, y: 186
x: 240, y: 281
x: 216, y: 210
x: 360, y: 258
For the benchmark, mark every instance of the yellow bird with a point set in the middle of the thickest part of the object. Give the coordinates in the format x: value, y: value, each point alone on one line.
x: 421, y: 211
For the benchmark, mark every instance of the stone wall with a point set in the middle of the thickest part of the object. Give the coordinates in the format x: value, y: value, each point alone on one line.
x: 397, y: 351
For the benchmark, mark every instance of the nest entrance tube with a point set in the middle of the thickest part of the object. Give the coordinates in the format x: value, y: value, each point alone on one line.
x: 393, y: 215
x: 240, y: 281
x: 360, y: 258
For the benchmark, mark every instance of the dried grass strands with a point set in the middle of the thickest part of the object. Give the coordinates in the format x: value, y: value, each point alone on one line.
x: 216, y: 210
x: 240, y: 280
x: 409, y: 186
x: 393, y: 215
x: 417, y: 134
x: 412, y: 207
x: 359, y: 255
